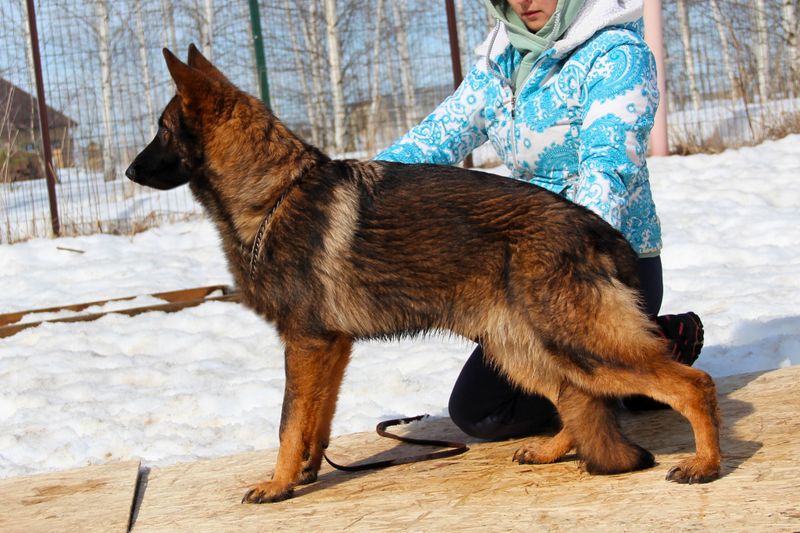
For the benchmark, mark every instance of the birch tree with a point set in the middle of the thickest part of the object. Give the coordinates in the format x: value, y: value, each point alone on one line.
x: 688, y: 53
x: 461, y: 24
x: 789, y: 22
x: 207, y: 29
x: 335, y: 66
x: 299, y: 55
x: 104, y: 52
x: 321, y: 123
x: 202, y: 12
x: 374, y: 81
x: 8, y: 136
x: 409, y: 97
x: 762, y: 50
x: 726, y: 56
x: 144, y: 65
x: 168, y: 21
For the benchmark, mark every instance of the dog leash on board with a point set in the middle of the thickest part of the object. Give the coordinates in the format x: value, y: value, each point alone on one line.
x: 454, y: 448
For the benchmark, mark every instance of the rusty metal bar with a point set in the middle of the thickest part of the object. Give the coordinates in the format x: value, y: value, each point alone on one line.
x: 171, y: 307
x: 455, y: 55
x: 169, y: 296
x: 44, y: 126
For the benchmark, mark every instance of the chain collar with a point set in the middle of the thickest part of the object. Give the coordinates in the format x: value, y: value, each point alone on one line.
x: 258, y: 242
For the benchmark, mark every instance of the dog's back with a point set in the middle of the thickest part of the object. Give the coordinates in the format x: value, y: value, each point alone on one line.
x: 395, y: 249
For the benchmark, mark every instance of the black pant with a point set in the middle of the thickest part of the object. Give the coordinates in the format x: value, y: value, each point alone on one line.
x: 484, y: 404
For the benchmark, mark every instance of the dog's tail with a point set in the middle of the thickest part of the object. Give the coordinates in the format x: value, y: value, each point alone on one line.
x: 603, y: 325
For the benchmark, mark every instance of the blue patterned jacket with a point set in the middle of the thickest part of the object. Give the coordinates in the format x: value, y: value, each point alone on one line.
x: 578, y: 125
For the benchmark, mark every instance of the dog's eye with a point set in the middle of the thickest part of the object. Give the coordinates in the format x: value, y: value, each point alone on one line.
x: 164, y: 134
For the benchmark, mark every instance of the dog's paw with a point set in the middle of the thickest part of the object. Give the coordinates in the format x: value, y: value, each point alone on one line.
x: 532, y: 455
x: 267, y: 492
x: 694, y: 470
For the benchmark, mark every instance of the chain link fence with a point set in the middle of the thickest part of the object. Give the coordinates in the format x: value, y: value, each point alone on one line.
x: 348, y: 75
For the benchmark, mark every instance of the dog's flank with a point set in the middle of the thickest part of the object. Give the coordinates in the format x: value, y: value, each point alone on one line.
x: 355, y: 250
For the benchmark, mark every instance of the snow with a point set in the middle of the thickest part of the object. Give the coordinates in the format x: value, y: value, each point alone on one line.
x: 208, y: 381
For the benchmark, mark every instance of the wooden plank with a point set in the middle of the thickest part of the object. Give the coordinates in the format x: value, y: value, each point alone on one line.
x: 169, y: 296
x: 13, y: 329
x: 484, y: 490
x: 95, y: 498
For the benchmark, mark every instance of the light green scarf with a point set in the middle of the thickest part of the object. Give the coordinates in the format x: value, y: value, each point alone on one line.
x: 529, y: 44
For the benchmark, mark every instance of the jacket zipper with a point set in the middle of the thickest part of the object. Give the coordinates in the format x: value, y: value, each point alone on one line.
x: 514, y: 91
x: 513, y: 128
x: 493, y: 66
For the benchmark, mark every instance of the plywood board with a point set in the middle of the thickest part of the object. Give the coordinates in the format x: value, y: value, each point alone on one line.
x: 94, y: 498
x: 483, y: 490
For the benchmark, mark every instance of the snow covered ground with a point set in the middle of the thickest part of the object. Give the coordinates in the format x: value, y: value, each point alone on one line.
x: 208, y: 381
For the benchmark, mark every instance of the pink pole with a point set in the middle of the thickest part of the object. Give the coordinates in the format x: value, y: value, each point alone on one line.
x: 654, y: 35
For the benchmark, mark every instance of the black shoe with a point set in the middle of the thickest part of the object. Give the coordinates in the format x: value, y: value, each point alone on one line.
x: 684, y: 334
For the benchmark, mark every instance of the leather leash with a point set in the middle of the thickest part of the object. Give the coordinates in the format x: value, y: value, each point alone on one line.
x: 454, y: 448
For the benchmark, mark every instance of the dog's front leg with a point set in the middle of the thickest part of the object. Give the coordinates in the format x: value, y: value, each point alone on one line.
x: 308, y: 405
x: 337, y: 356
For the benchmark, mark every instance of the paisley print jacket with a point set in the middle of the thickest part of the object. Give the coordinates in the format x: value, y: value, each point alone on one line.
x: 577, y: 126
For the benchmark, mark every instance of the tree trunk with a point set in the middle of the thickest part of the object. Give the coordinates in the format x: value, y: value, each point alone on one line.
x: 789, y: 20
x: 335, y: 66
x: 374, y: 82
x: 397, y: 108
x: 207, y: 29
x: 762, y: 50
x: 409, y: 97
x: 104, y: 49
x: 461, y: 23
x: 145, y: 66
x: 300, y: 59
x: 726, y: 56
x: 168, y: 9
x: 688, y: 53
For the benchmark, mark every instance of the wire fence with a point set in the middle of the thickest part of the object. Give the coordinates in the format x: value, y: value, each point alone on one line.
x: 348, y: 75
x: 733, y: 72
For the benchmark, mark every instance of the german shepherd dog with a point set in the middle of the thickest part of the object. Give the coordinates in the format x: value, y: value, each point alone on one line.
x: 331, y: 251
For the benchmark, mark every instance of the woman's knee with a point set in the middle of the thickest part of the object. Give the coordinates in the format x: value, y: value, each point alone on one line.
x: 518, y: 417
x: 487, y: 427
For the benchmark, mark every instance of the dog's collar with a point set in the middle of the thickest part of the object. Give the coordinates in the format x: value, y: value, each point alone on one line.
x: 255, y: 251
x: 258, y: 242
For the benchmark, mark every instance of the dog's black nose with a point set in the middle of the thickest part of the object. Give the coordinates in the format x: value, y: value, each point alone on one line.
x: 131, y: 173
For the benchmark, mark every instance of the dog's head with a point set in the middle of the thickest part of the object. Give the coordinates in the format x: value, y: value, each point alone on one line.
x: 205, y: 98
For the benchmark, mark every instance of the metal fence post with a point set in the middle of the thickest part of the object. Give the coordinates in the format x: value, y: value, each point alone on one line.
x: 258, y: 46
x: 44, y: 126
x: 455, y: 54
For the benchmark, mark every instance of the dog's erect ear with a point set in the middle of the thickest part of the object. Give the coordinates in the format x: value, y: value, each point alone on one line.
x: 199, y: 61
x: 191, y: 82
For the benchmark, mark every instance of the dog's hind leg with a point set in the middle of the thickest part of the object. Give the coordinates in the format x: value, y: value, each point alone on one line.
x: 616, y: 352
x: 689, y: 391
x: 589, y: 425
x: 308, y: 403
